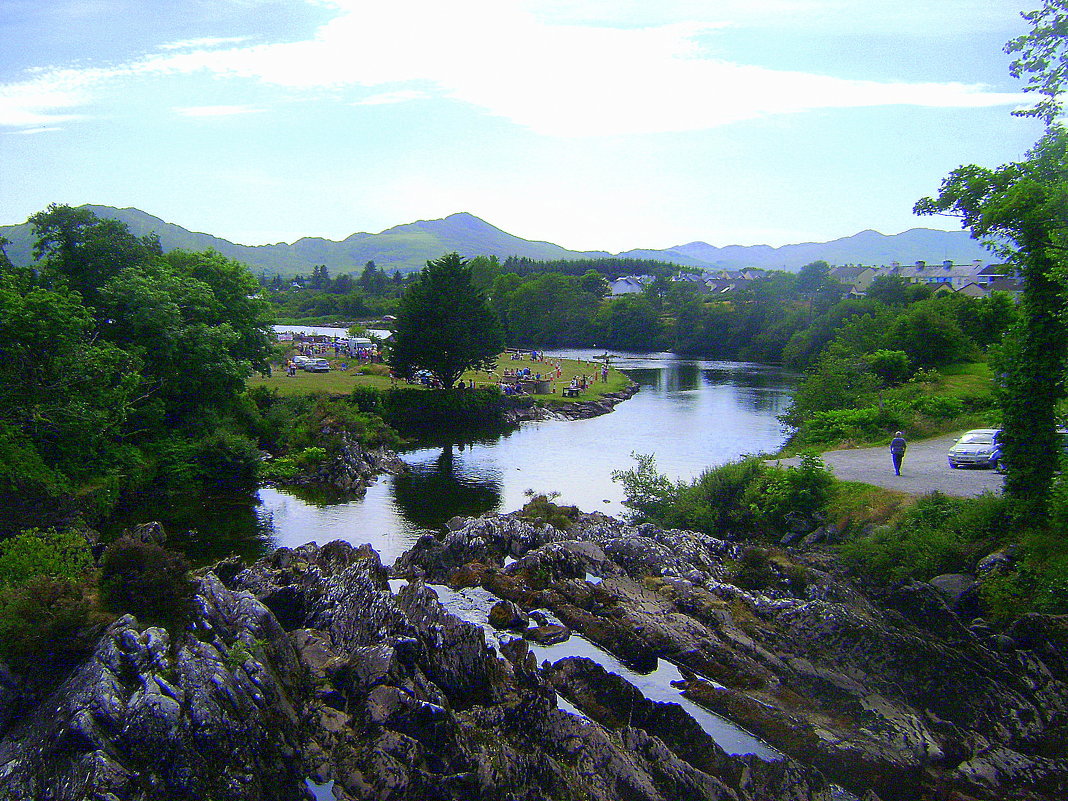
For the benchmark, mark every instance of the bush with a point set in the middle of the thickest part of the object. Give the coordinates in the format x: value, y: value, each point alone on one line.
x: 849, y: 424
x: 323, y: 425
x: 933, y: 536
x: 938, y: 407
x: 647, y: 493
x: 540, y: 510
x: 228, y: 459
x: 145, y: 580
x: 35, y: 553
x: 781, y: 495
x: 754, y: 570
x: 409, y: 406
x: 46, y: 620
x: 715, y: 502
x: 368, y: 399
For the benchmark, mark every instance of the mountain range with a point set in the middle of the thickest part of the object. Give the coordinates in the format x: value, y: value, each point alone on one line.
x: 408, y: 247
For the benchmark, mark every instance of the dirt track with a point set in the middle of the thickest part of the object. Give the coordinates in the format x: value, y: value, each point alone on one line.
x: 924, y: 470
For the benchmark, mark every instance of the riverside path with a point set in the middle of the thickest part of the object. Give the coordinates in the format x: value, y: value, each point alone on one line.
x: 925, y: 469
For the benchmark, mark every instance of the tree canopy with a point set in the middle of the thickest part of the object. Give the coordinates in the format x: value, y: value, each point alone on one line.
x: 444, y: 324
x: 108, y: 350
x: 1019, y: 208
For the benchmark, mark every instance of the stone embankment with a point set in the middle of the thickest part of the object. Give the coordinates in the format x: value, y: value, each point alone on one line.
x: 311, y: 665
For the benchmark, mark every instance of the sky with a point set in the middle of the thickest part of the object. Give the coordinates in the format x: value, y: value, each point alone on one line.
x: 594, y: 124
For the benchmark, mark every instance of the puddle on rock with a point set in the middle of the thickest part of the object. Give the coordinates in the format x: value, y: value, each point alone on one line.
x: 473, y: 604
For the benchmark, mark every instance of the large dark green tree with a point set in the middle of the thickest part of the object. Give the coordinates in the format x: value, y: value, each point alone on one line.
x: 1021, y: 209
x: 444, y: 324
x: 110, y: 353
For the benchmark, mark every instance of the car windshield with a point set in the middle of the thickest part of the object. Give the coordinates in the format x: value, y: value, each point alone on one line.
x: 976, y: 439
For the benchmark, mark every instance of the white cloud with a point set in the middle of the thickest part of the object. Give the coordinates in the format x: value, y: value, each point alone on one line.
x: 386, y: 98
x: 215, y: 111
x: 33, y: 131
x: 205, y: 41
x: 557, y: 79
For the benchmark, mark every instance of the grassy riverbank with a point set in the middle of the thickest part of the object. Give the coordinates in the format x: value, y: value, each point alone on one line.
x: 346, y: 374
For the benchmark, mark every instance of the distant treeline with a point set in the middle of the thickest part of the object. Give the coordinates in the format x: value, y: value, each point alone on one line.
x: 610, y: 267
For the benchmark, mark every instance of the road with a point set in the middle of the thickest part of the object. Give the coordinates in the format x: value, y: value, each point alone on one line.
x: 924, y: 470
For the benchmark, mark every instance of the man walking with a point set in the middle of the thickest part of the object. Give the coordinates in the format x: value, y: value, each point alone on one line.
x: 897, y: 451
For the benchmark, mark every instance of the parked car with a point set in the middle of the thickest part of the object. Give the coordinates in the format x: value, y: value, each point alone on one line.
x: 980, y: 447
x: 316, y: 366
x: 300, y: 361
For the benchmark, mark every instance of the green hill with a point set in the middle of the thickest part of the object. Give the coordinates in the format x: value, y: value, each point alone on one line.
x: 403, y: 247
x: 409, y: 246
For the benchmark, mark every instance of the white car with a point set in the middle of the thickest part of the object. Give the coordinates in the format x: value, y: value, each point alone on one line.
x: 980, y: 447
x: 316, y: 366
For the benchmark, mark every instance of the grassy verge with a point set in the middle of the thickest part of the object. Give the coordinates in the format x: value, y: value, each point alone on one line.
x: 953, y: 399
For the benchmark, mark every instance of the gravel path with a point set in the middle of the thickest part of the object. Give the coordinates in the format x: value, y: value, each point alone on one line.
x: 924, y: 470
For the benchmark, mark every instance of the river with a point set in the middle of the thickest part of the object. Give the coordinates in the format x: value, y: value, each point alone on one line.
x: 690, y: 414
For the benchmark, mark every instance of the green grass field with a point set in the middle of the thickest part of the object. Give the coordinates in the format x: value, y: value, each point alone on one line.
x: 341, y: 382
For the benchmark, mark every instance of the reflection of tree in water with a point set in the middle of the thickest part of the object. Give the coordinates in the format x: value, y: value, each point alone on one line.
x: 429, y: 495
x: 206, y: 527
x: 758, y: 391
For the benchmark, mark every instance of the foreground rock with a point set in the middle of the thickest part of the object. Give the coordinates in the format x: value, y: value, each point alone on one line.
x: 307, y: 666
x: 895, y: 697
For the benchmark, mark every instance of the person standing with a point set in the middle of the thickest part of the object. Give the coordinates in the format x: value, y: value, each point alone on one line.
x: 897, y: 451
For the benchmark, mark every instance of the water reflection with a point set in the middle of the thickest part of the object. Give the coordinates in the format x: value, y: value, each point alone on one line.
x: 689, y: 414
x: 429, y: 494
x: 206, y: 526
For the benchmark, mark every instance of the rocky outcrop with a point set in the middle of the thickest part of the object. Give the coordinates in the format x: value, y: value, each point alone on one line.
x: 312, y: 664
x: 308, y: 665
x: 903, y: 696
x: 352, y: 468
x: 571, y: 410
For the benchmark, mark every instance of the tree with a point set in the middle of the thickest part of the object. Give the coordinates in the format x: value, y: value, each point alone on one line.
x: 444, y: 324
x: 1020, y: 208
x: 1043, y: 58
x: 87, y: 251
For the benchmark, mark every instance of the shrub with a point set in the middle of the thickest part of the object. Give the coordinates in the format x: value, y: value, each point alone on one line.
x: 715, y: 501
x: 647, y: 492
x: 50, y: 620
x: 928, y: 540
x: 35, y: 553
x: 368, y: 399
x: 782, y: 494
x: 754, y: 570
x: 938, y: 407
x: 540, y: 509
x: 145, y: 580
x: 227, y: 458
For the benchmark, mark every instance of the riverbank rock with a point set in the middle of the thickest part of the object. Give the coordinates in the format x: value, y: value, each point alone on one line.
x: 893, y: 696
x: 352, y: 469
x: 571, y: 410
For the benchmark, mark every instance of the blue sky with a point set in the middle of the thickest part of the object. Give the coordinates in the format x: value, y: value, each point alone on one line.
x: 603, y: 124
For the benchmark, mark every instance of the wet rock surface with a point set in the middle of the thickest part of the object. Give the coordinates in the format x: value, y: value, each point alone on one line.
x: 308, y: 664
x: 907, y: 696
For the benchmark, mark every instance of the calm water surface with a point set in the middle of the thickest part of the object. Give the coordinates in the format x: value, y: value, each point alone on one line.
x: 689, y: 414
